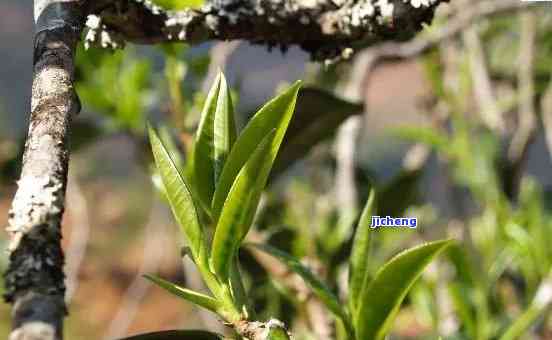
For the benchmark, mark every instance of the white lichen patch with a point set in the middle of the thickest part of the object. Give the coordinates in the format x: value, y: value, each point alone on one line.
x: 308, y: 4
x: 36, y: 203
x: 98, y: 35
x: 212, y: 21
x: 51, y: 81
x: 34, y: 330
x: 420, y: 3
x: 155, y: 9
x: 347, y: 53
x: 386, y: 9
x: 179, y: 21
x: 93, y: 21
x: 361, y: 14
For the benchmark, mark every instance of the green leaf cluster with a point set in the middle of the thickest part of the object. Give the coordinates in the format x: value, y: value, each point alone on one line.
x: 374, y: 302
x: 229, y: 173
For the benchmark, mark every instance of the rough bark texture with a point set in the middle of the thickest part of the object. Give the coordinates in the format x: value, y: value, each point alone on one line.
x: 325, y: 28
x: 34, y: 278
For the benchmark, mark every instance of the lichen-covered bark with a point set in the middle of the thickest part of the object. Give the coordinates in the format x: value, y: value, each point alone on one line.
x: 34, y: 278
x: 324, y: 28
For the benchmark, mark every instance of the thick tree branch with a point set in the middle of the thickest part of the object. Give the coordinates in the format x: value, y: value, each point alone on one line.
x: 34, y: 278
x: 324, y: 28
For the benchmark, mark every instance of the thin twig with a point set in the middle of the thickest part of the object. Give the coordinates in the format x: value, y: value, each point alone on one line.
x: 76, y: 248
x: 219, y: 55
x: 527, y: 125
x: 345, y: 190
x: 482, y: 86
x: 546, y: 114
x: 456, y: 24
x: 152, y: 256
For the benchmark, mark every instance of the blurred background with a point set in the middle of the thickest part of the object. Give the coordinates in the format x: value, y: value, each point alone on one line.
x: 459, y: 136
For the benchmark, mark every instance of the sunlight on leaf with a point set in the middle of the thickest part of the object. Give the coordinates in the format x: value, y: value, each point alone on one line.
x: 196, y: 298
x: 360, y: 253
x: 215, y: 136
x: 179, y: 197
x: 276, y: 114
x: 240, y: 207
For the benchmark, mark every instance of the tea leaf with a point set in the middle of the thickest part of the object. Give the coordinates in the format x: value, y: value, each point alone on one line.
x: 276, y: 114
x: 358, y: 264
x: 179, y: 197
x: 380, y: 300
x: 196, y: 298
x: 215, y: 136
x: 240, y: 207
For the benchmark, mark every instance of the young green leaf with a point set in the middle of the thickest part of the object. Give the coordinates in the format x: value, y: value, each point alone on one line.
x: 177, y: 335
x: 276, y: 114
x: 215, y: 136
x: 240, y: 206
x: 360, y: 253
x: 239, y: 295
x: 166, y: 138
x: 318, y: 287
x: 380, y: 300
x: 196, y: 298
x: 179, y: 197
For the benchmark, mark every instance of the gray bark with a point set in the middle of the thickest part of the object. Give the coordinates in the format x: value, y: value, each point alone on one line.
x: 327, y: 29
x: 34, y: 278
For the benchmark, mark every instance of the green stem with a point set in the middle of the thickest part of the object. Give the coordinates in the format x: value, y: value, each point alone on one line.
x: 238, y: 290
x: 516, y: 330
x: 540, y: 302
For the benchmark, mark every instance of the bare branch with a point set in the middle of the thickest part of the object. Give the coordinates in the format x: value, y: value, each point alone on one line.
x: 546, y: 114
x: 154, y: 237
x: 455, y: 25
x: 527, y: 125
x: 34, y: 278
x: 482, y: 86
x: 324, y: 28
x: 79, y: 237
x: 526, y: 110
